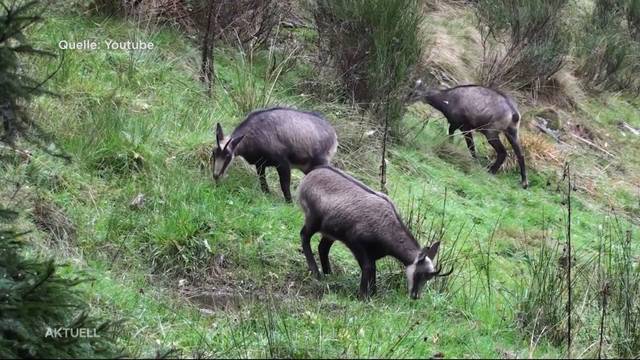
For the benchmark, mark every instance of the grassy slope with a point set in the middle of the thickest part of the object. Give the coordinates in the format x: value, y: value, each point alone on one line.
x: 242, y: 245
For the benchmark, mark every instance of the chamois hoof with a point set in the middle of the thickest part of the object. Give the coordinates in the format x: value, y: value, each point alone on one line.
x: 525, y: 184
x: 316, y: 275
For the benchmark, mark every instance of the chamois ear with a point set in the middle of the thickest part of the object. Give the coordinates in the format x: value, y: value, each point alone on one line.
x: 219, y: 134
x: 432, y: 251
x: 422, y: 255
x: 234, y: 142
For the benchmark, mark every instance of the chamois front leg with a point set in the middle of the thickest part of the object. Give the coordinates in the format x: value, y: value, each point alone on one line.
x: 452, y: 129
x: 305, y: 237
x: 468, y: 137
x: 368, y: 277
x: 368, y: 280
x: 260, y: 169
x: 372, y: 278
x: 284, y: 172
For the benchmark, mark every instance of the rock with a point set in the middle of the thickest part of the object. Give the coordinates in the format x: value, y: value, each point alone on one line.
x: 628, y: 128
x: 137, y: 202
x: 552, y: 117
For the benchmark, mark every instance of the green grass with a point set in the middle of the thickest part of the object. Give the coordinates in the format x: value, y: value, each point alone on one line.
x: 141, y: 123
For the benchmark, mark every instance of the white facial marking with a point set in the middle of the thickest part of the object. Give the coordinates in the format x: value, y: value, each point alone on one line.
x: 429, y: 265
x: 411, y: 269
x: 224, y: 142
x: 446, y: 102
x: 218, y: 168
x: 220, y: 160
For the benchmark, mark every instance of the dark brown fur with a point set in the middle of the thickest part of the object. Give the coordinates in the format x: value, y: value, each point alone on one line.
x: 342, y: 208
x: 471, y: 108
x: 278, y: 137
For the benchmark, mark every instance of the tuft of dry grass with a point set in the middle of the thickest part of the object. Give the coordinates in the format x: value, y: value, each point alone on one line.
x: 174, y: 12
x: 453, y: 154
x: 198, y: 156
x: 539, y: 152
x: 453, y: 47
x: 563, y: 89
x: 54, y: 221
x: 359, y: 141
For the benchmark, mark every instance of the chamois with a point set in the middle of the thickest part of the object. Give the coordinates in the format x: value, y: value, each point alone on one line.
x: 470, y: 108
x: 342, y: 208
x: 279, y: 137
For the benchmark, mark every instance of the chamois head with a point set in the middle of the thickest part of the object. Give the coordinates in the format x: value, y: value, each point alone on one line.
x: 422, y: 269
x: 420, y: 92
x: 223, y: 153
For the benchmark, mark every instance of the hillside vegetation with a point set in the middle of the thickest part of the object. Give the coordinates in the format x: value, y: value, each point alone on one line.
x: 215, y: 270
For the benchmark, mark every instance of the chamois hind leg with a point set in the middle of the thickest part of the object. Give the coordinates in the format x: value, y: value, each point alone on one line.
x: 512, y: 136
x: 501, y: 153
x: 305, y: 236
x: 323, y: 251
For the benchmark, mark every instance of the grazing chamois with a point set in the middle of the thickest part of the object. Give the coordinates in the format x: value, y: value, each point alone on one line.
x: 279, y: 137
x: 342, y: 208
x: 470, y: 108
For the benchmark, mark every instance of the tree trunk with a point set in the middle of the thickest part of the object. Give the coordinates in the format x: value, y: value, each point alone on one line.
x: 206, y: 71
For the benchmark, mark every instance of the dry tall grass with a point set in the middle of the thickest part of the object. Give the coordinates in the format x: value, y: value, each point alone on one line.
x: 360, y: 144
x: 452, y: 47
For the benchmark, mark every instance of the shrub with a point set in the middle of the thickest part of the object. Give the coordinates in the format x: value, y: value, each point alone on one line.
x: 621, y: 277
x: 374, y: 45
x: 36, y: 300
x: 16, y: 87
x: 540, y: 310
x: 626, y: 319
x: 633, y: 19
x: 254, y: 76
x: 251, y: 21
x: 524, y: 41
x: 608, y: 53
